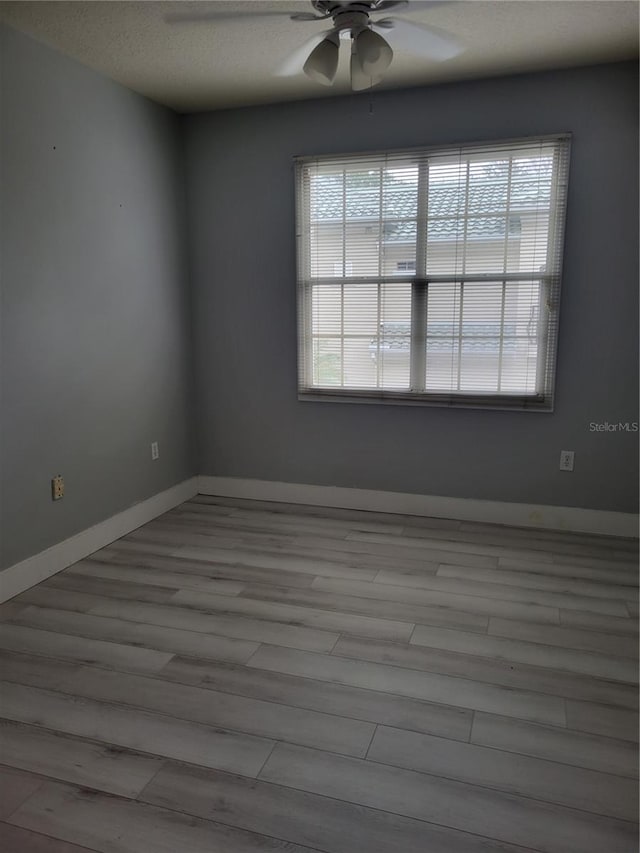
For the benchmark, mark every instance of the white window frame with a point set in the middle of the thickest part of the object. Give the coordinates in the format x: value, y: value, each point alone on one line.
x: 549, y: 279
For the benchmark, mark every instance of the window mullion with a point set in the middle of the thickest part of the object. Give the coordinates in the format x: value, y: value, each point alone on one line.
x: 506, y: 268
x: 307, y: 333
x: 419, y: 285
x: 501, y: 344
x: 460, y: 336
x: 422, y: 214
x: 380, y: 282
x: 418, y: 335
x: 343, y: 272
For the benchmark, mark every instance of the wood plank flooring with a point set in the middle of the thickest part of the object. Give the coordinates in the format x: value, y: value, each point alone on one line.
x: 243, y: 677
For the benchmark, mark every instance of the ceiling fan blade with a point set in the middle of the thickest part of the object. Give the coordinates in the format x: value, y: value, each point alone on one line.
x: 383, y: 5
x: 419, y: 39
x: 294, y: 63
x: 410, y: 5
x: 198, y: 17
x: 308, y: 16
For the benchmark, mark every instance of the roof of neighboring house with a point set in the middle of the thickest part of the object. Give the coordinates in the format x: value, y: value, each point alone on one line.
x: 352, y: 197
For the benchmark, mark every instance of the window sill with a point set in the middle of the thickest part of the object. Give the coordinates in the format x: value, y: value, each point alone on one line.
x: 495, y: 402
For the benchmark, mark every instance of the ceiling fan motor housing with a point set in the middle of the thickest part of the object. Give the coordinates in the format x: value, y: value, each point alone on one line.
x: 346, y: 16
x: 350, y: 20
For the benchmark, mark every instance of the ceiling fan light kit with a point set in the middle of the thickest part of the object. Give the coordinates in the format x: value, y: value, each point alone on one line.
x: 322, y: 62
x: 374, y: 53
x: 371, y: 54
x: 370, y: 57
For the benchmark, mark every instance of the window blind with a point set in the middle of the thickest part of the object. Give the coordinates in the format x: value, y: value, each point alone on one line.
x: 432, y: 275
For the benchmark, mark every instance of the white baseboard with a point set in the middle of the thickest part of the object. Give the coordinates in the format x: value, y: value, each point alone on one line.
x: 34, y: 569
x: 573, y: 519
x: 31, y: 571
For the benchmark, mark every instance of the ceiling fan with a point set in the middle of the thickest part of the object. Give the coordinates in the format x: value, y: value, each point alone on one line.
x: 371, y: 54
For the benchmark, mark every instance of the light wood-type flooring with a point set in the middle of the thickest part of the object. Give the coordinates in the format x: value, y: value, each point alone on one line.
x: 243, y: 677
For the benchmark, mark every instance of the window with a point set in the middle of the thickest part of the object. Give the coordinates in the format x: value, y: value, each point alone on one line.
x: 432, y: 275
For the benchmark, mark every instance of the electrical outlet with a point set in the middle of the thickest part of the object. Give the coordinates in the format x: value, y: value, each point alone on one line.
x: 155, y: 451
x: 566, y: 460
x: 57, y: 487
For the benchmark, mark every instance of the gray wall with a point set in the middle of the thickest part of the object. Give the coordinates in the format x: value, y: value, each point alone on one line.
x: 95, y: 314
x: 241, y: 201
x: 97, y: 317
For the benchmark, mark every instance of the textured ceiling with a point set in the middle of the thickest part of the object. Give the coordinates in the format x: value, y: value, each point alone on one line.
x: 213, y: 64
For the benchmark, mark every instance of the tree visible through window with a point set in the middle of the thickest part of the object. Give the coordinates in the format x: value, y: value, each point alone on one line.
x: 432, y: 275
